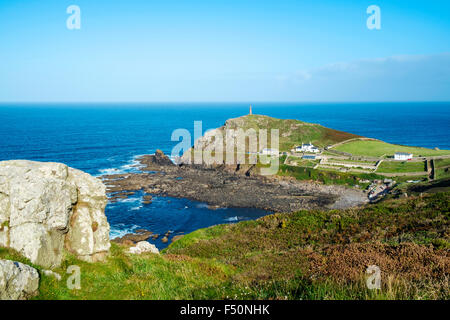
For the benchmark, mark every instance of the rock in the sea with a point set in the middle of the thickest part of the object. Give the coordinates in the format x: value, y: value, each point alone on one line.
x: 132, y: 238
x: 177, y: 237
x: 18, y: 281
x: 158, y: 159
x: 46, y: 208
x: 147, y: 199
x: 143, y: 247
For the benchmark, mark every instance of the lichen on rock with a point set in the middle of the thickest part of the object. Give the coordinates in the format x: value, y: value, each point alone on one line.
x: 46, y: 208
x: 18, y: 281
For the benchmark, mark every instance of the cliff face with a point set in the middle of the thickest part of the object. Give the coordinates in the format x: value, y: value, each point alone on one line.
x: 46, y: 208
x: 291, y: 134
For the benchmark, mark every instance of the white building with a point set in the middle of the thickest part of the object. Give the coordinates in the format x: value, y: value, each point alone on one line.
x: 270, y: 152
x: 402, y: 156
x: 307, y: 147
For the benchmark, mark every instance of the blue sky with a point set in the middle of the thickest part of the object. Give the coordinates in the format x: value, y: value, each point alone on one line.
x: 230, y: 50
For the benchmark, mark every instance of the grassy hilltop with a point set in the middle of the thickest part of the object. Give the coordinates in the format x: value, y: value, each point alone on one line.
x: 292, y: 132
x: 303, y: 255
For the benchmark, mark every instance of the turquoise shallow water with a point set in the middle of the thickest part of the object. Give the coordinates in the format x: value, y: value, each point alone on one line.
x: 106, y: 138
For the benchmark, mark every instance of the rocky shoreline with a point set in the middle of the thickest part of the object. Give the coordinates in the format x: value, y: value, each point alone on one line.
x: 228, y: 186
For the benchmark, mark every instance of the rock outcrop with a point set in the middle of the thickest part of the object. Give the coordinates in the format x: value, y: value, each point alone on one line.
x: 18, y: 281
x: 132, y: 238
x: 46, y: 208
x: 239, y: 187
x: 157, y: 159
x: 143, y: 247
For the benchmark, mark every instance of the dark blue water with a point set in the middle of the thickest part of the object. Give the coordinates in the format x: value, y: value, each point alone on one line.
x: 106, y: 138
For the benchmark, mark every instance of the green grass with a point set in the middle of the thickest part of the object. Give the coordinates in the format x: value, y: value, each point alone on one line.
x: 302, y: 162
x: 370, y: 163
x: 326, y: 176
x: 378, y: 148
x: 292, y: 132
x: 401, y: 166
x: 441, y: 173
x: 124, y: 277
x: 278, y: 253
x: 441, y: 163
x: 303, y: 255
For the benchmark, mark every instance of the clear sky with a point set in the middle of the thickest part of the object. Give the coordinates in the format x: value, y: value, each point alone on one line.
x: 243, y: 50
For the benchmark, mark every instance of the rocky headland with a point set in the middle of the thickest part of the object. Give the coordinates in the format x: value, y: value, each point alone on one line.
x: 228, y: 186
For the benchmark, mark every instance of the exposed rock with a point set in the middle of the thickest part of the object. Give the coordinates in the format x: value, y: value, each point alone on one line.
x: 52, y: 274
x: 233, y: 186
x: 177, y: 237
x: 165, y: 239
x: 158, y: 159
x: 147, y: 199
x: 143, y: 247
x: 168, y: 233
x: 18, y: 281
x: 139, y: 235
x: 48, y: 207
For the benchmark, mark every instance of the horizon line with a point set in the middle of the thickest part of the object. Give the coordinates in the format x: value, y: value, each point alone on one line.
x: 215, y: 102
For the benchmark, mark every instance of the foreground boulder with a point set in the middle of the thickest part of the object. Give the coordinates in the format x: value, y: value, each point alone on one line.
x: 143, y: 247
x: 46, y: 208
x: 18, y: 281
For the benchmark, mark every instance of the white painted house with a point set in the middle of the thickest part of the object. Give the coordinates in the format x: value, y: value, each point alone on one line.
x: 403, y: 156
x: 307, y: 147
x: 270, y: 152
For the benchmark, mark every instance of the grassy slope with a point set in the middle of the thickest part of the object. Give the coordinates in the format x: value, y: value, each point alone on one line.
x: 326, y: 176
x: 292, y: 132
x: 442, y: 168
x: 309, y: 255
x: 379, y: 148
x: 441, y: 163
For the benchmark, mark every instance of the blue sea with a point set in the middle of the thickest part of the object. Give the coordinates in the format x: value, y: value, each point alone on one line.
x: 107, y: 138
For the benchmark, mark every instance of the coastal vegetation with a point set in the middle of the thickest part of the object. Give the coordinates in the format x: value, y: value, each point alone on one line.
x: 442, y: 168
x: 303, y: 255
x: 401, y: 166
x: 326, y: 176
x: 292, y: 132
x: 375, y: 148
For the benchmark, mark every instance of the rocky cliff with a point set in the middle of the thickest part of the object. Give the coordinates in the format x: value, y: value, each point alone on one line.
x: 46, y: 208
x: 291, y: 134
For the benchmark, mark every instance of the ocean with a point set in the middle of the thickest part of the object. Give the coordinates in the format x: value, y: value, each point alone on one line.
x: 107, y: 138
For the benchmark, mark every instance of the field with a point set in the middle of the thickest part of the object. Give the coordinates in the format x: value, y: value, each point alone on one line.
x: 378, y: 149
x: 370, y: 163
x: 401, y: 166
x: 442, y: 163
x: 303, y: 255
x: 442, y: 173
x: 326, y: 176
x: 301, y: 162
